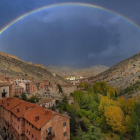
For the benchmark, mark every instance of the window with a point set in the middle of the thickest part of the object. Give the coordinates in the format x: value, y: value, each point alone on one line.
x: 65, y: 134
x: 64, y: 124
x: 27, y: 130
x: 49, y: 129
x: 32, y: 136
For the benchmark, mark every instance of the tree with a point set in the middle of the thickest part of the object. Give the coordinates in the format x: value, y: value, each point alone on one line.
x: 128, y: 123
x: 84, y: 123
x: 121, y: 102
x: 16, y: 96
x: 94, y: 133
x: 23, y: 96
x: 137, y: 136
x: 115, y: 118
x: 129, y: 106
x: 60, y: 88
x: 105, y: 102
x: 80, y: 133
x: 73, y: 120
x: 33, y: 99
x: 117, y: 91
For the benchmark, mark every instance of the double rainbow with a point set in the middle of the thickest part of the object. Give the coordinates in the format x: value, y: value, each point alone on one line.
x: 65, y: 4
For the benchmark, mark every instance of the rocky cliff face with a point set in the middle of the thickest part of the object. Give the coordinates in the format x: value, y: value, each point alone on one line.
x: 122, y: 74
x: 13, y: 66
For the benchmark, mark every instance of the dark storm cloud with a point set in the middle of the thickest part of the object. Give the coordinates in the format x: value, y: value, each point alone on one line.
x: 74, y: 36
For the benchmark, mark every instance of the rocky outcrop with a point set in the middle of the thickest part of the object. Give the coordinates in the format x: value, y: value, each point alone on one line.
x: 122, y: 74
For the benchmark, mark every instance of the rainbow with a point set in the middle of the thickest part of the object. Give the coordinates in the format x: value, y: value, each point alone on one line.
x: 65, y: 4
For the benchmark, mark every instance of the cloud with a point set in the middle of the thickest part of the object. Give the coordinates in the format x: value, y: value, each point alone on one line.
x: 75, y: 36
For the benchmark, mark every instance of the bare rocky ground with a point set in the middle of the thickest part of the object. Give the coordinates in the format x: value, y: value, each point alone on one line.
x: 12, y: 66
x: 121, y: 75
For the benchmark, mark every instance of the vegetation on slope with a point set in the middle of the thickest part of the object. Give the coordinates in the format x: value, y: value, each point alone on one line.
x: 92, y: 116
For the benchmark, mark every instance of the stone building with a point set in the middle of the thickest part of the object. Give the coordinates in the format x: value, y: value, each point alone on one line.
x: 48, y: 102
x: 21, y: 120
x: 18, y: 90
x: 67, y: 89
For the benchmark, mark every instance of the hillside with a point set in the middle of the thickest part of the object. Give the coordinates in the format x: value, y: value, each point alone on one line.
x: 65, y: 71
x: 12, y: 66
x: 121, y: 75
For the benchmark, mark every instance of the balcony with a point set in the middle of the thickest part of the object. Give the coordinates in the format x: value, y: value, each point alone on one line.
x: 50, y: 135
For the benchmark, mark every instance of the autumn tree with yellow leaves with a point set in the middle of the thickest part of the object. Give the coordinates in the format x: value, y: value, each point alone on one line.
x: 115, y: 118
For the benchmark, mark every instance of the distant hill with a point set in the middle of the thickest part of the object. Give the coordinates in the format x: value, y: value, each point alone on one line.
x: 12, y: 66
x: 121, y: 75
x: 65, y: 71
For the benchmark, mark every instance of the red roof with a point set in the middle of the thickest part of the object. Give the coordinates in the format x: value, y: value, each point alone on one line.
x: 43, y: 116
x: 11, y: 102
x: 24, y: 108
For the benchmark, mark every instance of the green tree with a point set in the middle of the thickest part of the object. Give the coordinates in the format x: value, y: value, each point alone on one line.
x: 23, y: 96
x: 16, y: 96
x: 60, y: 88
x: 73, y: 120
x: 33, y: 99
x: 80, y: 133
x: 94, y: 133
x: 137, y: 135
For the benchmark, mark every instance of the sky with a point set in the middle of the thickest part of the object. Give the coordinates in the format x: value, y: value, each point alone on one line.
x: 71, y: 35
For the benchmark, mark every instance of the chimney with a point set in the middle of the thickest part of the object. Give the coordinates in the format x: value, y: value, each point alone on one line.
x: 7, y: 103
x: 36, y: 117
x: 26, y: 108
x: 17, y: 109
x: 46, y: 112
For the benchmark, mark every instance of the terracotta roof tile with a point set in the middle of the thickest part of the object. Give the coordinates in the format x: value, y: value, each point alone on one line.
x: 11, y: 102
x: 24, y: 108
x: 44, y: 116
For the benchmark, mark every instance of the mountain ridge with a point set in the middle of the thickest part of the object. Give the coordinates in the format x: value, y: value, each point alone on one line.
x: 67, y: 71
x: 122, y: 74
x: 11, y: 66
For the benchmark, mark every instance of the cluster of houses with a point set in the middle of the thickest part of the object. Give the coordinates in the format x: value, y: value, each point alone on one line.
x: 46, y: 91
x: 21, y: 120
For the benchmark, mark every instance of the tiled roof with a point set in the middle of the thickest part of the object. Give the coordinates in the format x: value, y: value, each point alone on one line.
x: 45, y: 101
x: 11, y: 102
x: 4, y: 100
x: 43, y: 116
x: 24, y: 108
